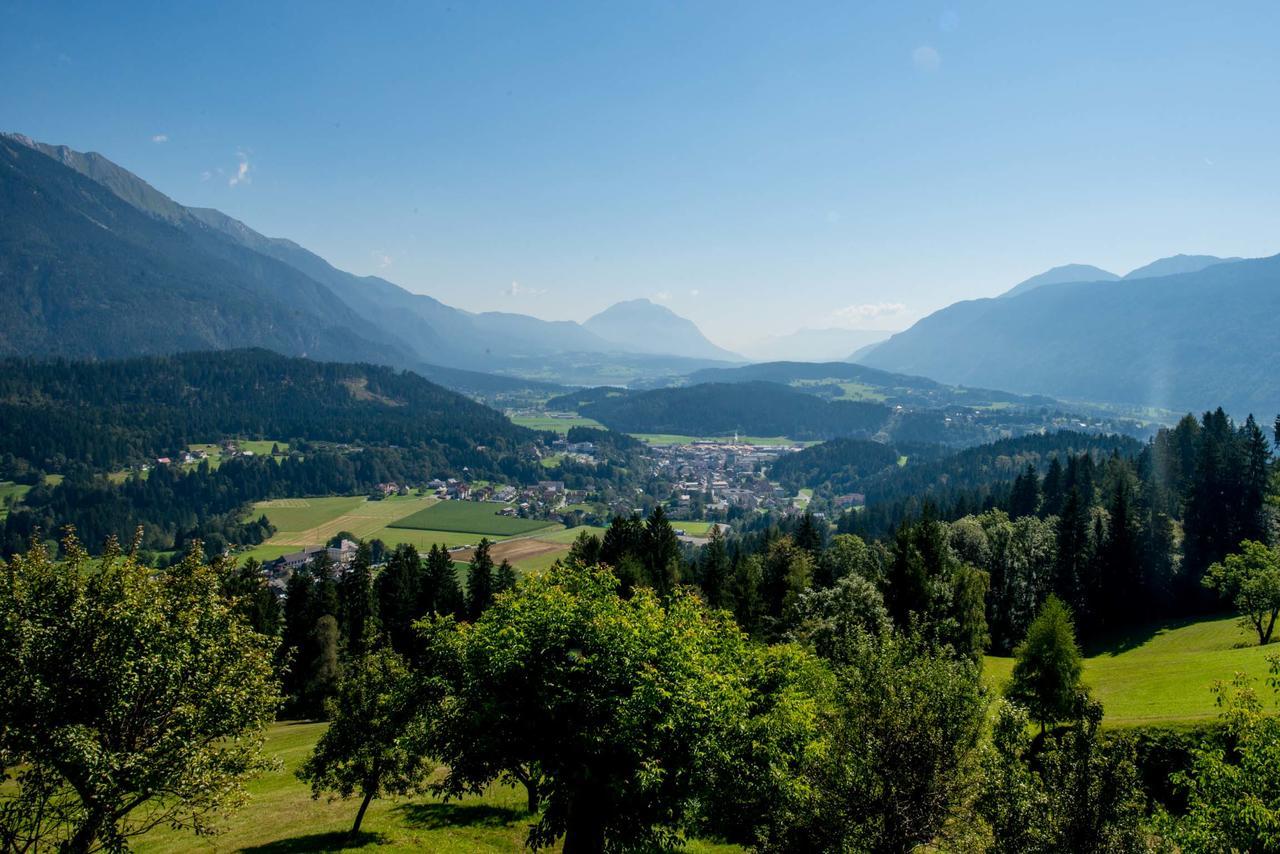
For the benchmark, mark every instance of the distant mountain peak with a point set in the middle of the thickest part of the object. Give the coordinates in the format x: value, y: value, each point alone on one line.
x: 1175, y: 265
x: 1061, y: 275
x: 642, y: 326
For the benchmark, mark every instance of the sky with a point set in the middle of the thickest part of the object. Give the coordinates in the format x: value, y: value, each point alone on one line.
x: 757, y: 167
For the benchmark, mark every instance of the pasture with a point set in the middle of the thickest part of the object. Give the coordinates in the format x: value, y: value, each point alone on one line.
x: 556, y: 423
x: 282, y: 818
x: 1163, y: 675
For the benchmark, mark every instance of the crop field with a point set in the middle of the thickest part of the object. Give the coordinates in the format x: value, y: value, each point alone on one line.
x: 282, y: 817
x: 536, y: 552
x: 1163, y: 675
x: 467, y: 517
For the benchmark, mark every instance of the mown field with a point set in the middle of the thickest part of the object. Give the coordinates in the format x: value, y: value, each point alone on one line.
x: 282, y: 818
x: 313, y: 521
x: 10, y: 491
x: 468, y: 517
x: 550, y: 422
x: 1163, y: 675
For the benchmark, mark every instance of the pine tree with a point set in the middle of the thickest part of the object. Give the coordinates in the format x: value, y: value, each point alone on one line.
x: 480, y: 581
x: 505, y: 578
x: 358, y: 608
x: 1073, y: 548
x: 714, y: 570
x: 1051, y: 505
x: 399, y: 589
x: 808, y: 535
x: 661, y: 553
x: 1024, y: 500
x: 1046, y: 673
x: 440, y: 593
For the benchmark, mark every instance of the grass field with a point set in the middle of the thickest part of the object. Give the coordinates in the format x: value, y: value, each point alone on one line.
x: 313, y: 521
x: 693, y: 529
x: 282, y: 818
x: 468, y: 517
x: 549, y: 422
x: 11, y: 490
x: 1163, y: 676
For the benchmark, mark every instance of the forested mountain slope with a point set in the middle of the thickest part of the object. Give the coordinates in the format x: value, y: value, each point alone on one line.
x: 1178, y: 342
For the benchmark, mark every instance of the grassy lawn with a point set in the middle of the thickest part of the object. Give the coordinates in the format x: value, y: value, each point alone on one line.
x: 469, y: 517
x: 9, y: 489
x: 1163, y: 675
x: 281, y: 817
x: 693, y: 529
x: 550, y: 422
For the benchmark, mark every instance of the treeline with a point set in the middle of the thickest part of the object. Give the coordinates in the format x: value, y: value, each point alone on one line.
x: 109, y: 415
x: 635, y: 718
x: 176, y: 506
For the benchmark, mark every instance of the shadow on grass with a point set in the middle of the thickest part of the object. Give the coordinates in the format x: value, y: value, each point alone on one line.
x: 1116, y: 643
x: 337, y: 840
x: 429, y: 816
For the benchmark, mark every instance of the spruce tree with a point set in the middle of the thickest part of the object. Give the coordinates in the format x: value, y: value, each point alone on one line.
x: 661, y: 552
x: 399, y: 589
x: 357, y: 605
x: 714, y: 570
x: 505, y: 578
x: 440, y: 593
x: 1047, y: 668
x: 1051, y: 505
x: 480, y: 581
x: 1024, y: 500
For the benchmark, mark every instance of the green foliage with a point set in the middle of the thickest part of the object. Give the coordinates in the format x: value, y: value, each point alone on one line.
x: 373, y: 746
x: 1046, y: 673
x: 1233, y: 790
x: 901, y: 750
x: 1251, y: 581
x: 130, y: 699
x: 480, y: 580
x: 833, y: 620
x: 620, y: 704
x: 1069, y: 793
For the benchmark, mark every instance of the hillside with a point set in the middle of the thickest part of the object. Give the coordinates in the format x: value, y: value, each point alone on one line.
x: 213, y: 282
x: 112, y: 413
x: 644, y: 327
x: 1185, y: 341
x: 836, y: 380
x: 83, y: 273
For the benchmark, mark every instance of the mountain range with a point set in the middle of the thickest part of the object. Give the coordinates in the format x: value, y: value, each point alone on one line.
x: 98, y: 263
x: 1200, y: 337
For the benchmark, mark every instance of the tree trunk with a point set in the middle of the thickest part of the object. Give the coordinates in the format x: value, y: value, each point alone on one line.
x: 86, y: 834
x: 368, y: 796
x: 585, y: 831
x: 535, y: 796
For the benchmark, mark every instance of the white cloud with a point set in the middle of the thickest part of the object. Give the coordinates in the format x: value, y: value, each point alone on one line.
x: 925, y: 58
x: 663, y: 296
x: 206, y: 175
x: 382, y: 259
x: 160, y: 138
x: 694, y: 292
x: 242, y: 171
x: 515, y: 289
x: 851, y: 315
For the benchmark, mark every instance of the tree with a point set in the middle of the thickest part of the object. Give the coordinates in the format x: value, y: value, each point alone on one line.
x: 808, y: 535
x: 505, y: 578
x: 832, y: 619
x: 130, y: 699
x: 846, y: 555
x: 480, y: 580
x: 1233, y: 791
x: 373, y: 746
x: 788, y: 572
x: 324, y: 670
x: 620, y: 704
x: 661, y: 552
x: 1071, y: 793
x: 1047, y: 667
x: 1024, y: 500
x: 901, y: 750
x: 1251, y: 580
x: 399, y: 594
x: 357, y: 605
x: 440, y: 593
x: 252, y: 598
x: 744, y: 593
x: 714, y: 569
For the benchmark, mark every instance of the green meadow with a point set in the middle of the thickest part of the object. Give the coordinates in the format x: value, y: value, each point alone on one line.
x: 1163, y: 675
x: 282, y: 818
x: 469, y: 517
x: 554, y: 423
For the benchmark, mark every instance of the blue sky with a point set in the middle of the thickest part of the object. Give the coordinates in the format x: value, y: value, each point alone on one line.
x: 756, y: 166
